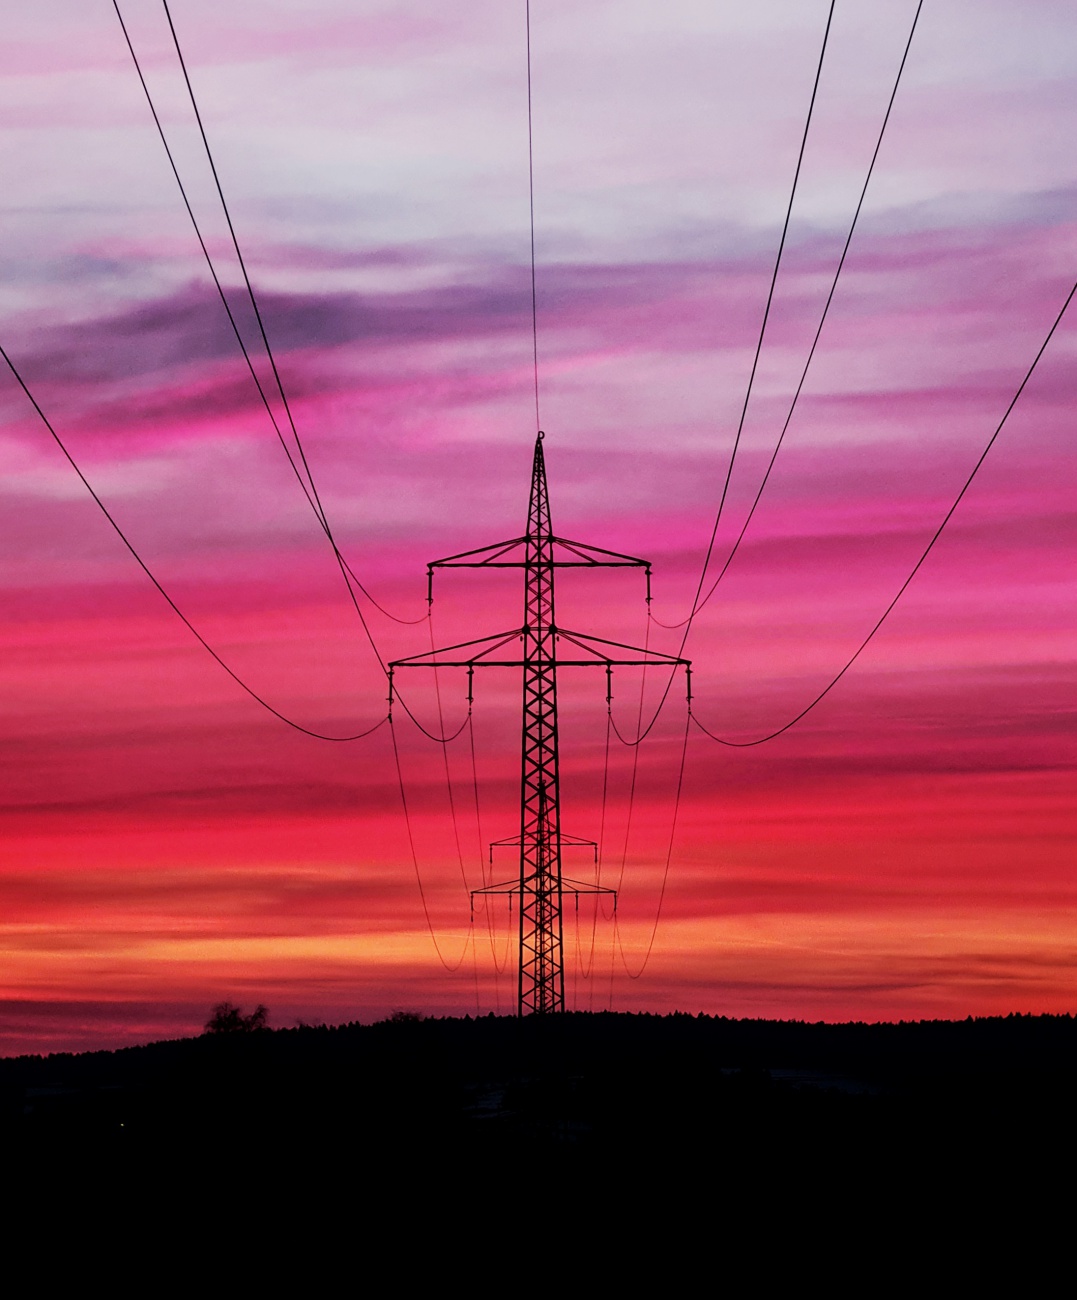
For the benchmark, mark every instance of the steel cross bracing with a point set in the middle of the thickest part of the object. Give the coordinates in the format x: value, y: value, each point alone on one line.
x: 541, y: 884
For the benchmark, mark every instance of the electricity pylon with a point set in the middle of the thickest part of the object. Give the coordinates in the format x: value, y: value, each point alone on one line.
x: 540, y: 886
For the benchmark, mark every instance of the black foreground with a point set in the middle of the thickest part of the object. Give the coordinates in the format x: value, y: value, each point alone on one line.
x: 704, y: 1113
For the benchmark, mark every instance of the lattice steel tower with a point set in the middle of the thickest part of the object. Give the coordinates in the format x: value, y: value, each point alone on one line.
x: 541, y: 884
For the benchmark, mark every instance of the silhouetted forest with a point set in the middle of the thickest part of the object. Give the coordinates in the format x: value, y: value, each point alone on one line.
x: 702, y: 1110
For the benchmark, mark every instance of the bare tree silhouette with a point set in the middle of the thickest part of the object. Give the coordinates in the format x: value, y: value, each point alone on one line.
x: 229, y: 1019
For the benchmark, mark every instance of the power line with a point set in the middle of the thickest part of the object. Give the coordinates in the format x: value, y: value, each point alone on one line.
x: 696, y: 604
x: 669, y: 858
x: 449, y: 966
x: 445, y: 757
x: 486, y: 882
x: 762, y: 332
x: 310, y: 492
x: 531, y: 201
x: 209, y: 261
x: 316, y: 503
x: 149, y: 574
x: 818, y: 333
x: 600, y: 855
x: 635, y: 757
x: 446, y: 738
x: 746, y: 744
x: 243, y: 267
x: 345, y: 569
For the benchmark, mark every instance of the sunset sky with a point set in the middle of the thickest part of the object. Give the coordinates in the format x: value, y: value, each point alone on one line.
x: 907, y: 850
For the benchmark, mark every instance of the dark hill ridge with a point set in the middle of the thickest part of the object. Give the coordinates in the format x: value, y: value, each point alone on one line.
x: 975, y: 1108
x: 884, y: 1053
x: 582, y: 1068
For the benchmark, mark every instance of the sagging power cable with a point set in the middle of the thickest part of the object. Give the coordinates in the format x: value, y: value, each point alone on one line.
x: 762, y: 334
x: 307, y: 731
x: 687, y: 622
x: 310, y: 492
x: 531, y: 203
x: 747, y: 744
x: 313, y: 496
x: 815, y: 341
x: 635, y: 975
x: 449, y: 966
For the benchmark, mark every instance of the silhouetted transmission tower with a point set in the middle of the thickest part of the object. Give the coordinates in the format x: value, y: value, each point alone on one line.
x: 540, y: 886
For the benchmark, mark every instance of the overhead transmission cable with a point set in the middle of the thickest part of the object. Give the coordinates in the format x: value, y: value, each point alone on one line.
x: 310, y: 492
x: 210, y: 264
x: 636, y: 745
x: 445, y: 757
x: 746, y: 744
x: 634, y: 975
x: 487, y: 881
x: 152, y: 577
x: 601, y: 848
x: 531, y: 203
x: 642, y: 733
x: 762, y: 330
x: 699, y: 603
x: 246, y: 277
x: 449, y: 966
x: 815, y: 341
x: 258, y: 698
x: 345, y: 570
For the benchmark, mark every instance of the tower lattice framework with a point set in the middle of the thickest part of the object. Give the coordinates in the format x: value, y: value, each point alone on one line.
x: 543, y: 648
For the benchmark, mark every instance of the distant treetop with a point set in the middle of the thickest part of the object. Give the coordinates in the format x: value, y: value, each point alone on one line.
x: 229, y: 1019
